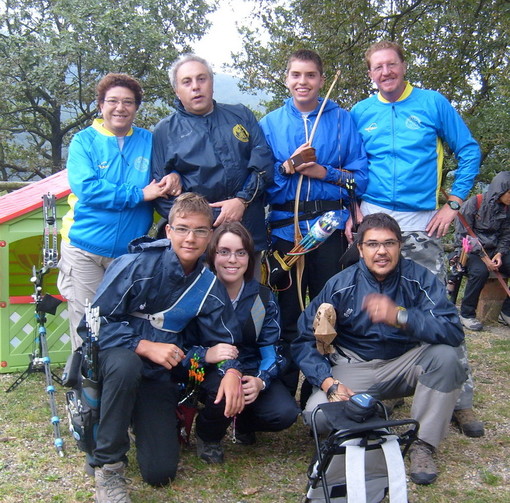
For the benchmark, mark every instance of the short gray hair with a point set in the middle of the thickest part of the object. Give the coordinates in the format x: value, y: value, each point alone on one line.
x: 185, y: 58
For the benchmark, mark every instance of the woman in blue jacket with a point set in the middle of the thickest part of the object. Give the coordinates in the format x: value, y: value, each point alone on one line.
x: 109, y: 173
x: 268, y: 404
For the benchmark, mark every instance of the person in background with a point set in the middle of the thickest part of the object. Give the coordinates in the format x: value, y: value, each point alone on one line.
x: 403, y: 129
x: 108, y: 169
x: 213, y: 149
x: 335, y: 156
x: 489, y: 218
x: 268, y: 404
x: 397, y: 335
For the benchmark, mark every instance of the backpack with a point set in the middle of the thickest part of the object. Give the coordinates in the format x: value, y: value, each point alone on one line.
x: 358, y: 462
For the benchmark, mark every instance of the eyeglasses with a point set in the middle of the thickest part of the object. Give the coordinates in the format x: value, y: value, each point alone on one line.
x: 113, y: 102
x: 201, y: 232
x: 223, y: 252
x: 375, y: 245
x: 390, y: 67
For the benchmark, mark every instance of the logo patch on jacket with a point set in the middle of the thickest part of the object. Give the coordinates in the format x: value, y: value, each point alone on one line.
x: 240, y: 133
x: 141, y: 164
x: 413, y: 122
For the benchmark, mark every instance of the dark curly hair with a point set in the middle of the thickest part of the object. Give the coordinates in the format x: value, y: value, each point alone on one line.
x: 121, y: 80
x: 378, y: 221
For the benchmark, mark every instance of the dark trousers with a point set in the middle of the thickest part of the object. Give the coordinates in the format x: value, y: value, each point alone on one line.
x: 273, y: 410
x: 320, y: 265
x: 478, y: 274
x: 128, y: 398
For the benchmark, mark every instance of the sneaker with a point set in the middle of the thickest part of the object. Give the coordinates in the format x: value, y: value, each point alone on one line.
x: 471, y: 324
x: 504, y: 319
x: 210, y: 452
x: 111, y: 484
x: 466, y: 421
x: 248, y: 438
x: 423, y: 466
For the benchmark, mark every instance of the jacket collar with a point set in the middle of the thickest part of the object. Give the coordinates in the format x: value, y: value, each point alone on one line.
x: 289, y: 104
x: 407, y: 92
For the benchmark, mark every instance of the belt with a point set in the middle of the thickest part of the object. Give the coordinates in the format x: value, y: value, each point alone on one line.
x: 319, y: 206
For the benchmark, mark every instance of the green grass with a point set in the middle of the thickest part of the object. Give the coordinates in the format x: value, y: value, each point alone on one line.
x: 273, y: 470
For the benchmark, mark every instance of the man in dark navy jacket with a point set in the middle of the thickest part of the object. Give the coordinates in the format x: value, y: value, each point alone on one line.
x: 213, y: 149
x: 397, y: 335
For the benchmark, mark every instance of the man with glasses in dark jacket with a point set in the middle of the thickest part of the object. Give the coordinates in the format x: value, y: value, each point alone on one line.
x: 397, y: 335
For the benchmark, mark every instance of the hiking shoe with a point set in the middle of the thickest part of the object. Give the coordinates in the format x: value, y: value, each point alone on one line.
x: 210, y: 452
x: 423, y: 467
x: 248, y: 438
x: 111, y: 484
x: 471, y: 324
x: 89, y: 470
x: 504, y: 319
x: 466, y: 421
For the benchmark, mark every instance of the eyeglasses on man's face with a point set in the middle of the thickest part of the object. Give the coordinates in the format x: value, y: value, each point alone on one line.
x: 200, y: 232
x: 389, y: 244
x: 239, y: 254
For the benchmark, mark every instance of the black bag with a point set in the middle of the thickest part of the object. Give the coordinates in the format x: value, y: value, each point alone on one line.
x: 82, y: 402
x: 275, y: 272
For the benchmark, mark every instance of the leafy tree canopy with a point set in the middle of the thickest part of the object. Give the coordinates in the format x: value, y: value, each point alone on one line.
x: 53, y: 52
x: 459, y: 47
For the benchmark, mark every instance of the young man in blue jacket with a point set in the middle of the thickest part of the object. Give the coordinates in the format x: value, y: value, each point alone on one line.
x: 397, y: 335
x: 146, y: 300
x: 337, y: 157
x: 403, y: 129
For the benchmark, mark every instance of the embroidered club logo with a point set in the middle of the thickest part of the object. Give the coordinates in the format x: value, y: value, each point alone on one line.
x: 240, y: 133
x: 413, y: 122
x: 141, y: 164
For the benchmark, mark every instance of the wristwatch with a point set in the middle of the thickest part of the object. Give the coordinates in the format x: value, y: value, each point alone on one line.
x: 402, y: 317
x: 454, y: 205
x: 282, y: 169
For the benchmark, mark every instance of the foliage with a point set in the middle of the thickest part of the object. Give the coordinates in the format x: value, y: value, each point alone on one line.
x: 53, y: 52
x: 459, y: 48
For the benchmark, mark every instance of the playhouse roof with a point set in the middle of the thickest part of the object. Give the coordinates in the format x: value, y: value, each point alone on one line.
x: 29, y: 198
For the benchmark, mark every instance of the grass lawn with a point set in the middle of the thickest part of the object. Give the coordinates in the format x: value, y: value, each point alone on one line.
x: 272, y: 471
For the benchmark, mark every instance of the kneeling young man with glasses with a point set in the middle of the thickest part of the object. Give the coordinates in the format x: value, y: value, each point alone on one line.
x: 146, y: 300
x: 397, y: 336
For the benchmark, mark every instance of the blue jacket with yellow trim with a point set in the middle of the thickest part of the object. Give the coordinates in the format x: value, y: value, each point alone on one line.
x: 432, y: 318
x: 107, y: 206
x: 220, y: 155
x: 403, y: 141
x: 150, y: 280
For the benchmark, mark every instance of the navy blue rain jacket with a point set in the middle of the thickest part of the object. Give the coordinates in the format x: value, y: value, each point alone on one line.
x: 149, y: 280
x: 220, y: 155
x: 432, y: 318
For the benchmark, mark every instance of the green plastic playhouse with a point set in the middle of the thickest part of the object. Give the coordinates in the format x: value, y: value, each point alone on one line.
x: 21, y: 243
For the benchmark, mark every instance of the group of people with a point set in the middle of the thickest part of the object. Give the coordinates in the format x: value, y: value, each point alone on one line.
x: 193, y: 297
